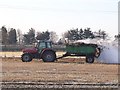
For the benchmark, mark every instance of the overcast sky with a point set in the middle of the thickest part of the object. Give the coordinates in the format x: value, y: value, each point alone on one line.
x: 60, y: 15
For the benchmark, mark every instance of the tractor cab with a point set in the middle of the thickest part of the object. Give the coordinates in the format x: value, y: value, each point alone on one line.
x: 43, y: 44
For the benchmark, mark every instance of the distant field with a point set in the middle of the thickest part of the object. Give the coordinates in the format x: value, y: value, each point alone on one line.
x: 18, y: 54
x: 10, y: 54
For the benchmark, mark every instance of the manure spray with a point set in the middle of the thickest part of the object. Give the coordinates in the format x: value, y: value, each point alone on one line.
x: 109, y: 50
x: 109, y: 53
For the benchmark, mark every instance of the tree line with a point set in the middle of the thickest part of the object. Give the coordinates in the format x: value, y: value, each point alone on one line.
x: 13, y: 36
x: 8, y: 37
x: 78, y: 34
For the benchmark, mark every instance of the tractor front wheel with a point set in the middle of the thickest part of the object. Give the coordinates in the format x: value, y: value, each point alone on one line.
x: 49, y: 56
x: 26, y: 57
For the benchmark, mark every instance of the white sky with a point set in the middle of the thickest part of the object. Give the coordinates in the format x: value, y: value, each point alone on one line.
x: 60, y: 15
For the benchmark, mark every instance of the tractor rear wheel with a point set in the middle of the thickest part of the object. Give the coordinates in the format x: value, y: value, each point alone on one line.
x: 26, y: 57
x: 49, y: 56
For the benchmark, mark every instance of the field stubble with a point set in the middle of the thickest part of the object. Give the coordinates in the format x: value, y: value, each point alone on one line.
x: 64, y: 71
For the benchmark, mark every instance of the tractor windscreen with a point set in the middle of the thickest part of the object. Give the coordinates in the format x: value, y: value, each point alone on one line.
x: 49, y: 45
x: 42, y: 45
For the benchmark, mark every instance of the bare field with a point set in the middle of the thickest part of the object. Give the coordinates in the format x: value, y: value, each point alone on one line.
x: 65, y: 73
x: 65, y: 70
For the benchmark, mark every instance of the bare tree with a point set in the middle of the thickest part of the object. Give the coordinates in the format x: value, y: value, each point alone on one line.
x: 19, y: 36
x: 53, y: 37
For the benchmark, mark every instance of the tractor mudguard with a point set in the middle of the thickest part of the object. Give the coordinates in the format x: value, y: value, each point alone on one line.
x: 46, y: 49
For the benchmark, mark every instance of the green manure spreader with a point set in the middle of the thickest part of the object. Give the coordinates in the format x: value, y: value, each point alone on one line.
x: 90, y: 51
x: 43, y: 50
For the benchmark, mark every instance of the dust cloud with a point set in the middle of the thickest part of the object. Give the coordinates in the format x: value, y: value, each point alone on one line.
x: 109, y: 50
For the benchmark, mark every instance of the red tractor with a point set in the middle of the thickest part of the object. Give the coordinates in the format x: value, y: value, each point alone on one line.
x: 43, y: 50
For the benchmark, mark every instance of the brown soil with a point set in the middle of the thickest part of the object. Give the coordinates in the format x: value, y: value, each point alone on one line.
x: 65, y: 70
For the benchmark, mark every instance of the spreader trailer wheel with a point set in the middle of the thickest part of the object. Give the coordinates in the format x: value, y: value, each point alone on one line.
x: 90, y: 59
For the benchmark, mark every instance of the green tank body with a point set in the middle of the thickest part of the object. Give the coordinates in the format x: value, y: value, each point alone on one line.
x: 81, y: 49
